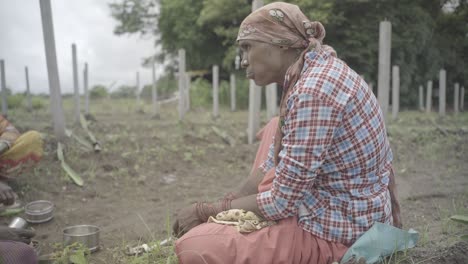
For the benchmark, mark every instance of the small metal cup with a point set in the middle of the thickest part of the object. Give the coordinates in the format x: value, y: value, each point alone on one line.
x: 18, y: 223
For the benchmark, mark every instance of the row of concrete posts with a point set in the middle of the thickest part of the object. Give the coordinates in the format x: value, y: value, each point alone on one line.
x: 385, y: 32
x: 458, y: 96
x: 384, y: 72
x: 54, y: 81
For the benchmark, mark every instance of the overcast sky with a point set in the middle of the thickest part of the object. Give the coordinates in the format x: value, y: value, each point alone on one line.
x: 87, y: 23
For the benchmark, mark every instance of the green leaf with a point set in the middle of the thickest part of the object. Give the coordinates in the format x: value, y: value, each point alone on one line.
x: 11, y: 212
x: 68, y: 132
x: 73, y: 175
x: 464, y: 237
x: 84, y: 124
x: 91, y: 136
x: 78, y: 258
x: 80, y: 140
x: 60, y: 152
x: 460, y: 218
x: 83, y: 142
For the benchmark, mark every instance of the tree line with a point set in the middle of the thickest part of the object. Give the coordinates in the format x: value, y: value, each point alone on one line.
x: 427, y: 35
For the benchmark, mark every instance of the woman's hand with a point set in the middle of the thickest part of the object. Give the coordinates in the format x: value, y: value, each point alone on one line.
x: 396, y: 214
x: 397, y: 222
x: 7, y: 196
x: 186, y: 219
x: 21, y: 235
x: 3, y: 147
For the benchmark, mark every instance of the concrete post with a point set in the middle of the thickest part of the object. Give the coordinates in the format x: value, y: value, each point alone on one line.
x: 429, y: 97
x: 385, y: 45
x: 215, y: 91
x: 256, y: 4
x: 371, y: 87
x: 4, y: 89
x: 85, y: 87
x: 421, y: 98
x: 462, y: 99
x: 255, y: 97
x: 395, y: 91
x: 154, y: 92
x: 456, y: 98
x: 254, y: 115
x: 187, y: 91
x: 181, y: 83
x: 52, y: 70
x: 271, y: 99
x: 232, y: 81
x: 28, y: 91
x: 442, y: 91
x: 137, y: 89
x: 76, y: 86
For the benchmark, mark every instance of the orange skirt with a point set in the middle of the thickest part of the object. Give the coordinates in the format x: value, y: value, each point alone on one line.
x: 284, y: 242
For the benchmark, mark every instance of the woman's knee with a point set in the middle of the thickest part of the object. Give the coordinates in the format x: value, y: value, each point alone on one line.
x: 200, y: 249
x: 187, y: 252
x: 32, y: 136
x: 16, y: 252
x: 28, y: 256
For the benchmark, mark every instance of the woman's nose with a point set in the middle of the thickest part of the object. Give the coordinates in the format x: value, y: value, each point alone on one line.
x: 244, y: 63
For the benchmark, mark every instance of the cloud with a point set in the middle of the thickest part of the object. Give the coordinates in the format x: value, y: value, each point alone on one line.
x: 87, y: 23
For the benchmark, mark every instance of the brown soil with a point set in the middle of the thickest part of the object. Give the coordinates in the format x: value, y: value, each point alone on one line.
x: 150, y: 167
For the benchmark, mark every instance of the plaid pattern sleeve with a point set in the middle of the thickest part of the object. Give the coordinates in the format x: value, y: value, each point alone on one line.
x: 308, y: 130
x: 336, y: 159
x: 269, y: 162
x: 9, y: 133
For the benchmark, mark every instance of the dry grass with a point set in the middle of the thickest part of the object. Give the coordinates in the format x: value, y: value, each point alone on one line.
x: 125, y: 190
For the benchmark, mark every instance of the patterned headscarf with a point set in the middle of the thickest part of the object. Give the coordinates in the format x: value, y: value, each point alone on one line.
x: 285, y: 25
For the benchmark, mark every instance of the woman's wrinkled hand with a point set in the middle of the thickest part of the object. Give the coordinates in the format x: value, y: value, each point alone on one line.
x: 186, y: 219
x: 21, y: 235
x: 396, y: 215
x: 7, y: 196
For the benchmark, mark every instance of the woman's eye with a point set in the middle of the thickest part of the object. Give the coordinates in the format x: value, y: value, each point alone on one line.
x: 245, y: 47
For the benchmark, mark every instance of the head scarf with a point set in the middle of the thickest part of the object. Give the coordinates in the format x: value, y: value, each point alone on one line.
x: 285, y: 25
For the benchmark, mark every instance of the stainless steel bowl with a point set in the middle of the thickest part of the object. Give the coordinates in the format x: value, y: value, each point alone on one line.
x: 39, y: 211
x: 18, y: 223
x: 87, y: 235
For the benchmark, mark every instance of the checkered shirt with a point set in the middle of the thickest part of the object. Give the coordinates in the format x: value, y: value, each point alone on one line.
x: 336, y: 159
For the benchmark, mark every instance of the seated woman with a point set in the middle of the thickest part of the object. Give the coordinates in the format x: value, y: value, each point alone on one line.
x: 17, y: 152
x: 14, y: 248
x: 323, y: 171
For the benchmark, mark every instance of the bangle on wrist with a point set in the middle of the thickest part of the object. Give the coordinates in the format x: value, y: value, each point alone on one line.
x: 205, y: 210
x: 230, y: 195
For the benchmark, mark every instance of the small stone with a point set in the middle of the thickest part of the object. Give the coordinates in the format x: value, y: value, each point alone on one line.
x: 141, y: 179
x: 168, y: 179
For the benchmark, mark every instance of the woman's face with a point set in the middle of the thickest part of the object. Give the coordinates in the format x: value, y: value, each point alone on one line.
x: 264, y: 63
